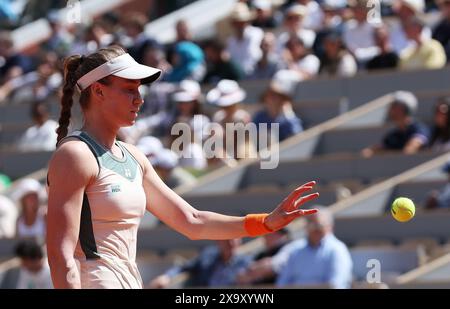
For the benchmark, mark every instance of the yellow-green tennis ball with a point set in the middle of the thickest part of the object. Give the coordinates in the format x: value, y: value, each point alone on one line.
x: 403, y: 209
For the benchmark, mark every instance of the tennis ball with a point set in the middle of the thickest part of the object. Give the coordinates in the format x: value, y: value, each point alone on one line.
x: 403, y: 209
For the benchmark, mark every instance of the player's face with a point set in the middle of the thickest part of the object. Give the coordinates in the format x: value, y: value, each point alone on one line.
x: 122, y: 100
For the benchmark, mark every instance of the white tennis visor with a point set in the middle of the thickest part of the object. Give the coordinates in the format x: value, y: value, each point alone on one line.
x: 122, y: 66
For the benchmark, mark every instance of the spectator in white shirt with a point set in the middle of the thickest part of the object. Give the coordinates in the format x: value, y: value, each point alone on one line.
x: 32, y: 220
x: 293, y: 23
x: 314, y: 15
x: 358, y: 33
x: 33, y: 272
x: 298, y: 58
x: 8, y: 217
x: 42, y: 136
x: 405, y: 10
x: 337, y: 61
x: 244, y: 45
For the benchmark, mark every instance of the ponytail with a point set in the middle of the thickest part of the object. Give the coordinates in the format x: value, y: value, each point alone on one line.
x: 71, y: 64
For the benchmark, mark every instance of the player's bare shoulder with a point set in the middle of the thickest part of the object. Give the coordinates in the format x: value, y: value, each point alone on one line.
x: 73, y: 158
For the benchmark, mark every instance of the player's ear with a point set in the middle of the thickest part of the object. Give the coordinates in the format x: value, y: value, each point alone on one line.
x: 97, y: 90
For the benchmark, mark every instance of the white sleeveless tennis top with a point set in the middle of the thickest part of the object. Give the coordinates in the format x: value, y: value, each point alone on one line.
x: 112, y: 209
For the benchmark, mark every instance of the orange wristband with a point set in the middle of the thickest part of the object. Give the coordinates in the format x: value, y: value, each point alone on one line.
x: 254, y: 224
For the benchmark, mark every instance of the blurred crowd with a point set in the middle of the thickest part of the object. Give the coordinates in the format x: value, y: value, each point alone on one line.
x: 284, y: 42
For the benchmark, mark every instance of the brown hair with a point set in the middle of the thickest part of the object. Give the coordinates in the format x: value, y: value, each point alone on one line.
x: 74, y: 68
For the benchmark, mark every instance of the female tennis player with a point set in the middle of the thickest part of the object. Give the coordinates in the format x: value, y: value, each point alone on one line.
x: 99, y: 188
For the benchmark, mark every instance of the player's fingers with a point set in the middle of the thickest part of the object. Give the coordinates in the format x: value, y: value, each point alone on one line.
x: 303, y: 212
x: 305, y: 199
x: 296, y: 194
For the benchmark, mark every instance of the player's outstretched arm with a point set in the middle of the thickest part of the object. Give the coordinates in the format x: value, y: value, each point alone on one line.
x: 195, y: 224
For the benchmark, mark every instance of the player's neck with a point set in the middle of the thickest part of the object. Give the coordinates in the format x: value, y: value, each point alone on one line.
x: 102, y: 135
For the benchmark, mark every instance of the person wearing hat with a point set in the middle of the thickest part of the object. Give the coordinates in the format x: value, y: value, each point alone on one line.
x: 227, y: 95
x: 264, y: 15
x: 404, y: 10
x: 243, y: 45
x: 32, y: 220
x: 99, y: 188
x: 441, y: 32
x: 278, y: 105
x: 149, y: 146
x: 293, y: 27
x: 358, y: 32
x: 438, y: 199
x: 424, y: 53
x: 314, y: 14
x: 165, y: 163
x: 408, y: 135
x: 189, y: 111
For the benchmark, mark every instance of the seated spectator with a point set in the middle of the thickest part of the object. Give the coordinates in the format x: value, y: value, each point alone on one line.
x: 440, y: 131
x: 8, y: 217
x: 60, y: 40
x: 32, y: 220
x: 188, y: 63
x: 269, y: 63
x: 293, y: 25
x: 408, y: 136
x: 183, y: 34
x: 165, y: 163
x: 36, y: 85
x: 278, y: 105
x: 314, y: 14
x: 216, y: 266
x: 331, y: 22
x: 42, y: 136
x: 94, y: 37
x: 387, y: 58
x: 153, y: 55
x: 257, y: 273
x: 189, y: 112
x: 244, y: 45
x: 298, y: 58
x: 442, y: 31
x: 33, y: 272
x: 219, y: 64
x: 425, y: 54
x: 438, y: 199
x: 35, y: 9
x: 320, y: 259
x: 149, y: 146
x: 13, y: 64
x: 404, y: 10
x: 264, y: 17
x: 337, y: 61
x: 358, y: 33
x: 134, y: 25
x: 227, y: 95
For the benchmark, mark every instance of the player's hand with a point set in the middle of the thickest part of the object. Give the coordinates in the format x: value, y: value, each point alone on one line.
x: 289, y: 210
